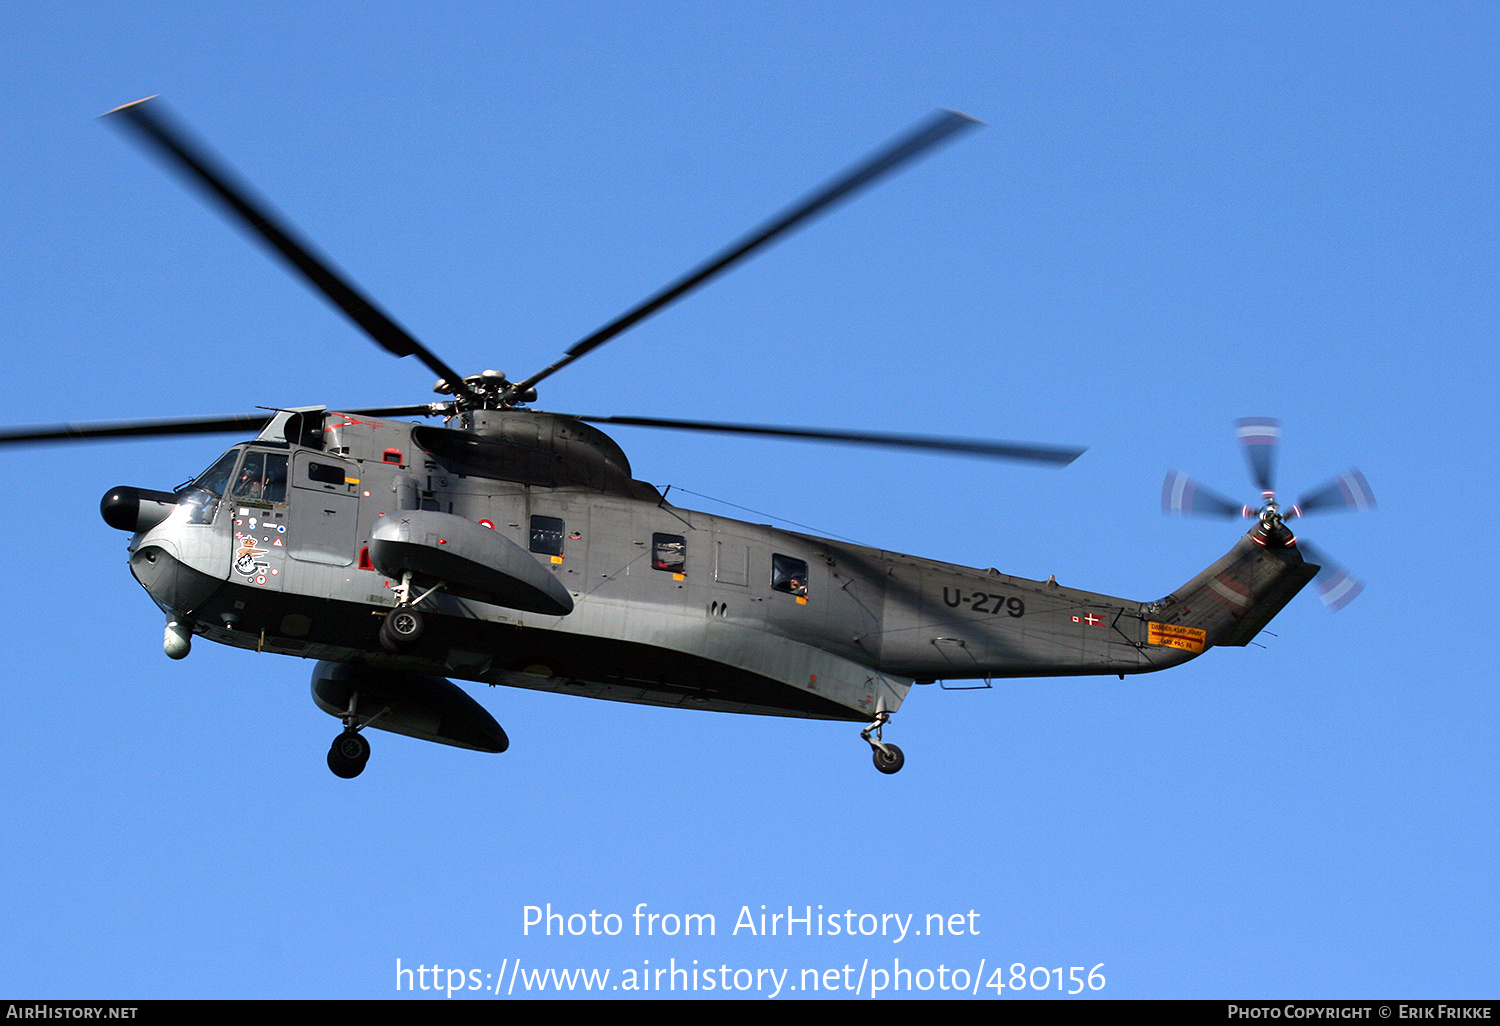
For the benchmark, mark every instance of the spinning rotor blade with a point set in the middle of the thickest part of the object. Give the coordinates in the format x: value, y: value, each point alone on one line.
x: 1336, y: 586
x: 152, y: 126
x: 237, y: 423
x: 1181, y: 496
x: 930, y: 133
x: 241, y: 423
x: 1260, y: 436
x: 1349, y: 490
x: 1058, y: 455
x: 424, y: 410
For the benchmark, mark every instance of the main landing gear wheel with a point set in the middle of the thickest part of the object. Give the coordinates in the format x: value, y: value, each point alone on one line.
x: 400, y: 630
x: 888, y: 758
x: 349, y: 754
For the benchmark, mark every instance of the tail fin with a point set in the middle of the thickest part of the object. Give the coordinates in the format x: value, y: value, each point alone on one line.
x: 1231, y: 601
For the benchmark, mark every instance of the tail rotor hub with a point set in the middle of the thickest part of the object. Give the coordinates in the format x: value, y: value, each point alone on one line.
x: 1272, y: 531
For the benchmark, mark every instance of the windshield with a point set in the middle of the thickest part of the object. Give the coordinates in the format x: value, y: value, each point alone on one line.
x: 216, y: 478
x: 201, y: 497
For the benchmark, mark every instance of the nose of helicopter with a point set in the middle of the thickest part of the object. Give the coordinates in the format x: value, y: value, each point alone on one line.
x: 169, y: 580
x: 180, y: 565
x: 135, y: 509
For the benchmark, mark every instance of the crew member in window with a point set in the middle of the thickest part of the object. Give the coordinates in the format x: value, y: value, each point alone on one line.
x: 249, y: 484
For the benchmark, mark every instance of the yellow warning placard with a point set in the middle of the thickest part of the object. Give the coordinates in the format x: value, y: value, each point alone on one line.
x: 1189, y: 639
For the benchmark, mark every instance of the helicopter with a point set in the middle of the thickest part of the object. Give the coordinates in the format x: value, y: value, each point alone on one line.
x: 513, y: 546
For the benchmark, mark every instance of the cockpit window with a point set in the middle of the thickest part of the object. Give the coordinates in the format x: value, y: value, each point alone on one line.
x: 262, y: 477
x: 216, y: 478
x: 201, y: 498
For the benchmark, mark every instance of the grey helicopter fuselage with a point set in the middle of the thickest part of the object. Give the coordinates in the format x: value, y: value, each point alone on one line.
x: 293, y: 543
x: 515, y: 547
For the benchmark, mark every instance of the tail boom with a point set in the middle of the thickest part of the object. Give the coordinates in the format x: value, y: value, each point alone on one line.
x: 943, y: 622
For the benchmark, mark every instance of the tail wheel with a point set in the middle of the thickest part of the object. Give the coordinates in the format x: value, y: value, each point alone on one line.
x: 889, y: 759
x: 352, y: 746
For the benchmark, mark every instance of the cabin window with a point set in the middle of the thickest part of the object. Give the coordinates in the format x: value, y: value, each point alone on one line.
x: 669, y: 553
x: 789, y: 575
x: 547, y: 535
x: 326, y: 473
x: 262, y: 478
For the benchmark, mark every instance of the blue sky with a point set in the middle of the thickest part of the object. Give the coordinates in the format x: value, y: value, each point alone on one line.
x: 1177, y: 216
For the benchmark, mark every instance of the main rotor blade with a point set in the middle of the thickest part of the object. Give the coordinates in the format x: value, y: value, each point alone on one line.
x: 154, y: 127
x: 931, y: 132
x: 1349, y: 490
x: 424, y: 410
x: 1054, y: 454
x: 236, y: 423
x: 1184, y: 497
x: 240, y: 423
x: 1260, y: 436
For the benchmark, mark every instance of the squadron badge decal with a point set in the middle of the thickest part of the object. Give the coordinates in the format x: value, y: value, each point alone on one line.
x: 247, y: 561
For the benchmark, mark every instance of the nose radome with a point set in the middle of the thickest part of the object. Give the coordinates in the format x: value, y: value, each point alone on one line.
x: 135, y: 509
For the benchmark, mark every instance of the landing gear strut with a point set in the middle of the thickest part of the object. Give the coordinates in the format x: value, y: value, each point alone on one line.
x: 350, y: 750
x: 888, y: 758
x: 402, y: 626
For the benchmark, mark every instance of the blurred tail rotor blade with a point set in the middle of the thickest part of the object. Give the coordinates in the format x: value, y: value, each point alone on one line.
x: 1181, y: 496
x: 1260, y: 436
x: 1336, y: 585
x: 1349, y: 490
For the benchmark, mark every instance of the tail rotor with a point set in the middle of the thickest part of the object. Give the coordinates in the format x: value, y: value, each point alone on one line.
x: 1183, y: 497
x: 1349, y: 490
x: 1260, y: 438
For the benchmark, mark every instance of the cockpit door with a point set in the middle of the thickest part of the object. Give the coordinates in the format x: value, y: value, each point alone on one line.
x: 324, y: 509
x: 257, y: 497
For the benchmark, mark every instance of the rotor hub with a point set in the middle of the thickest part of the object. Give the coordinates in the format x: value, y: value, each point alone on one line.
x: 1272, y: 531
x: 488, y: 390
